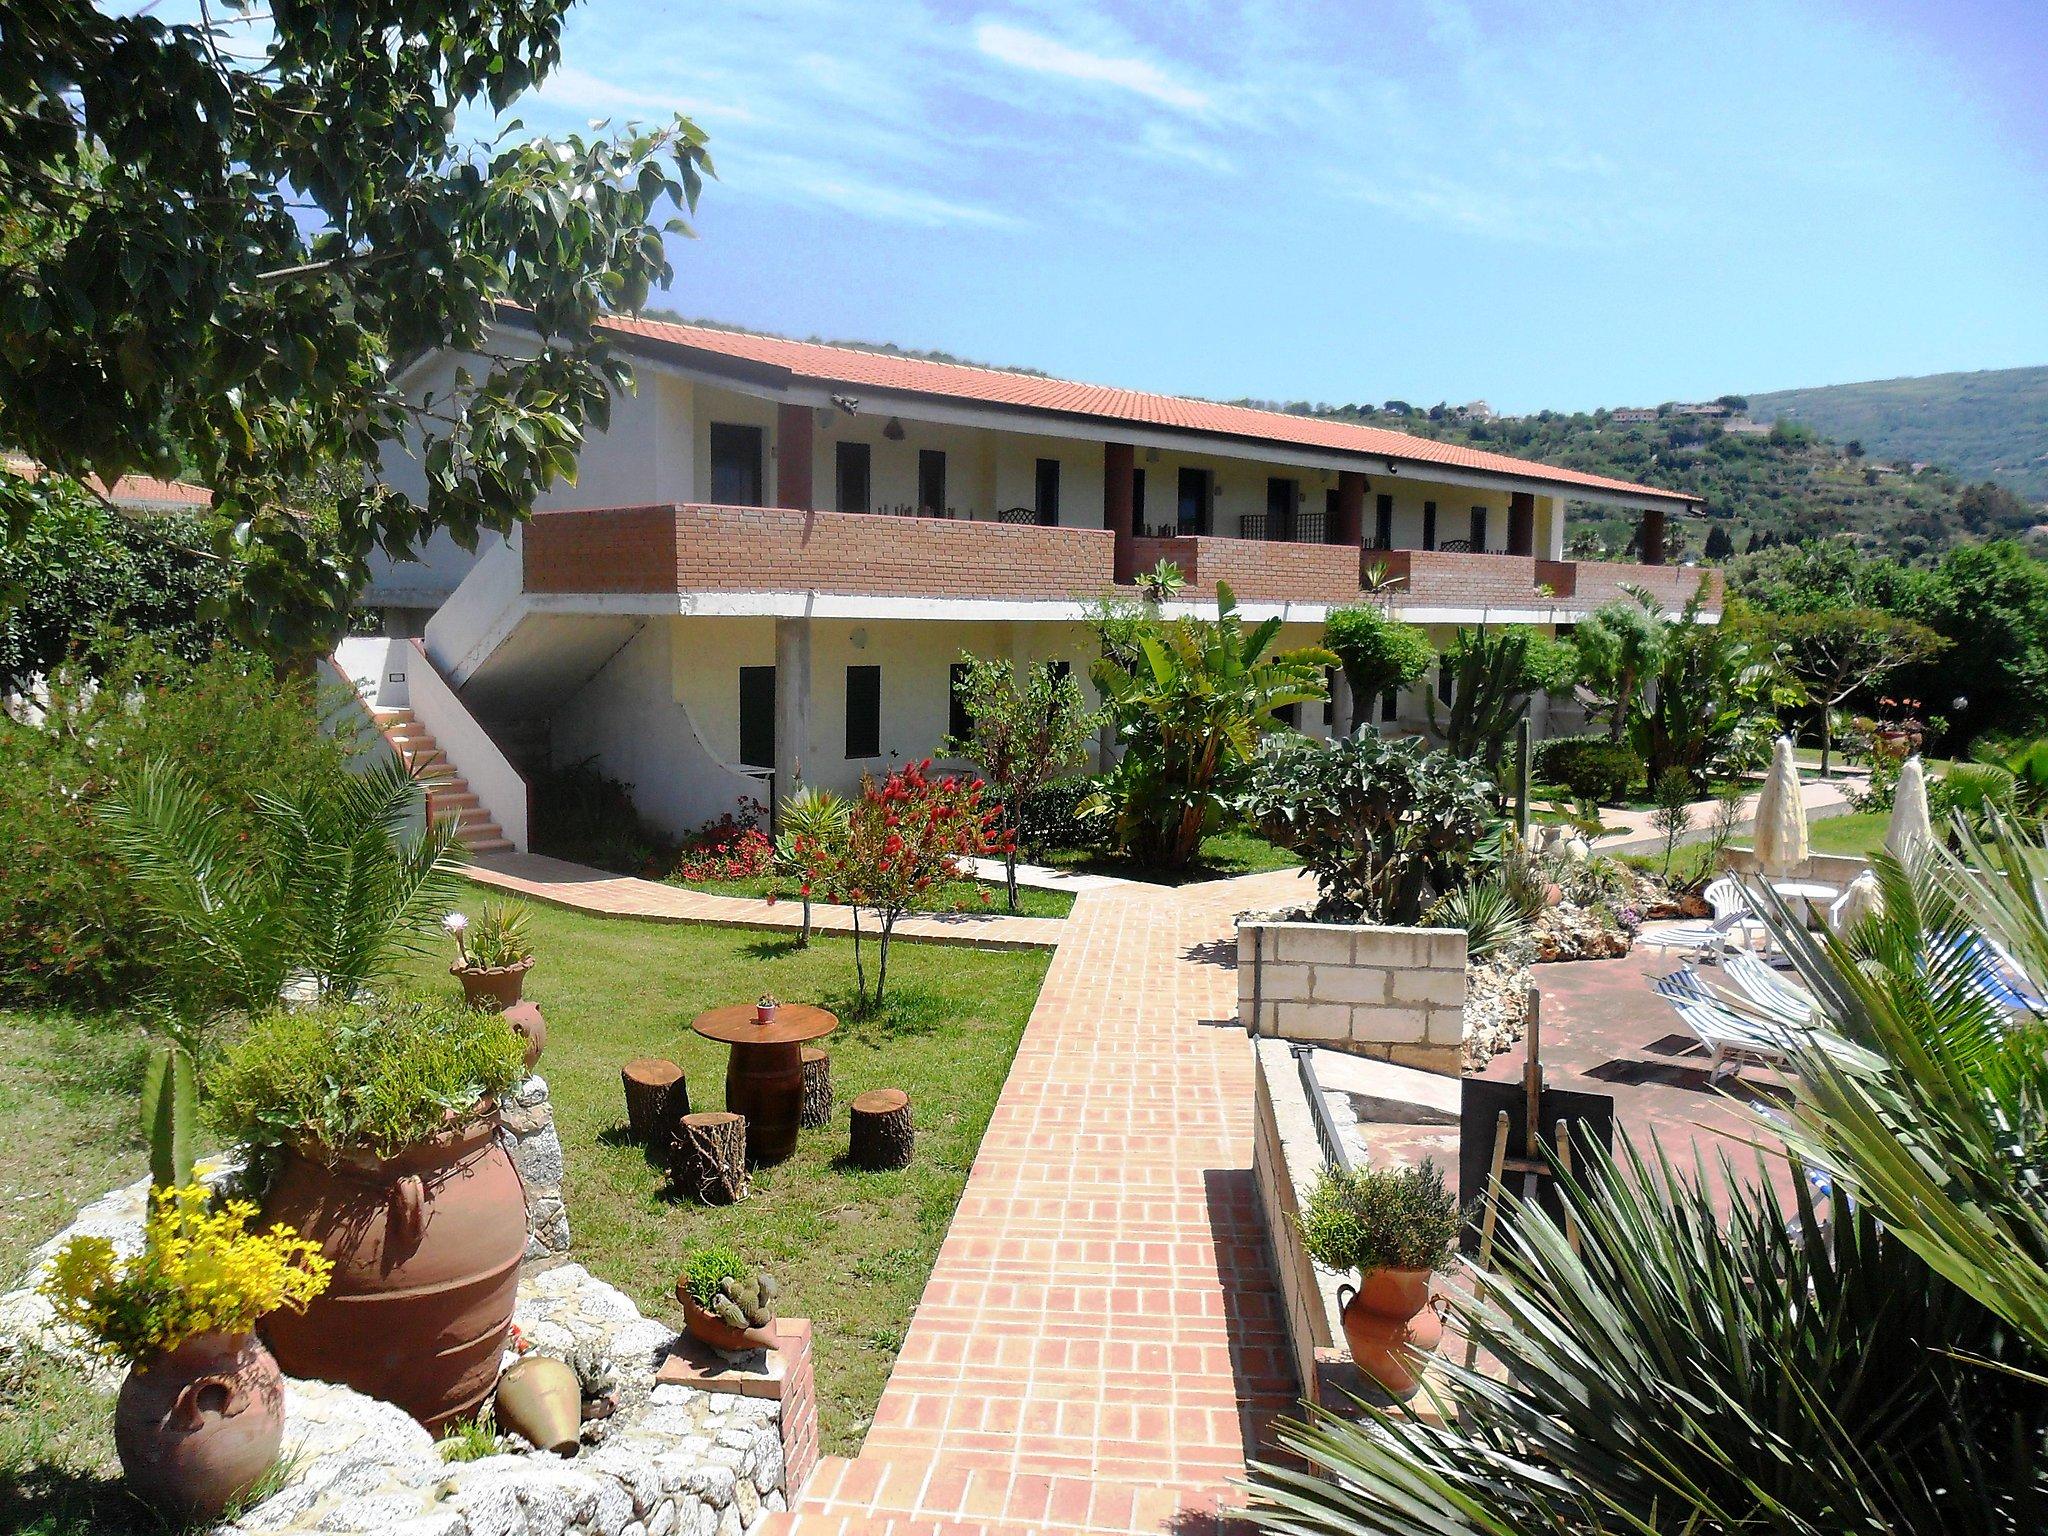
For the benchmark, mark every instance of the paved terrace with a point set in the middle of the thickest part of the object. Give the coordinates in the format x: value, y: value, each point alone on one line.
x: 1099, y: 1347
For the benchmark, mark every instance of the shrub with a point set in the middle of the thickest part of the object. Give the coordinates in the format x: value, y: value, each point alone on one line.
x: 582, y: 814
x: 380, y: 1075
x: 1051, y: 817
x: 731, y: 848
x: 1487, y: 911
x: 708, y: 1268
x: 199, y: 1270
x: 1380, y: 1218
x: 1384, y: 826
x: 70, y: 920
x: 1377, y: 651
x: 1589, y: 766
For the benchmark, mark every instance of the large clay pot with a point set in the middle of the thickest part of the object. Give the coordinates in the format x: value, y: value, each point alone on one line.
x: 495, y: 987
x: 426, y: 1248
x: 542, y: 1401
x: 1390, y: 1323
x: 717, y: 1333
x: 196, y: 1426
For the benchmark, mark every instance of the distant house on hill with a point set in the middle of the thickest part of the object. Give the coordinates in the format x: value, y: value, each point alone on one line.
x: 1709, y: 410
x: 1473, y: 410
x: 1742, y: 426
x: 131, y: 493
x: 1632, y: 415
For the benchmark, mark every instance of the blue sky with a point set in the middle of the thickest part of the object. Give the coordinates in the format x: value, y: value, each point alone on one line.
x: 1545, y: 204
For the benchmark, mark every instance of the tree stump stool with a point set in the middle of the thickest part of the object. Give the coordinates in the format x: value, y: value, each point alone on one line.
x: 657, y: 1098
x: 708, y: 1159
x: 882, y: 1135
x: 817, y: 1108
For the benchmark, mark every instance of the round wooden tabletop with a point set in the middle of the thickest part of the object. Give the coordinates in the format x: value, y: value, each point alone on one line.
x: 794, y: 1023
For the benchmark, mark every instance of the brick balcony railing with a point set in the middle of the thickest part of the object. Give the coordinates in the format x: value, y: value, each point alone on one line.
x: 662, y: 549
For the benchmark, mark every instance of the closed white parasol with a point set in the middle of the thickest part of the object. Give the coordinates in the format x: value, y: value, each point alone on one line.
x: 1780, y: 838
x: 1910, y: 825
x: 1861, y: 900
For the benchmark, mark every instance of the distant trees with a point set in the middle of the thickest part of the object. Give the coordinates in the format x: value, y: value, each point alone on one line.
x: 1719, y: 545
x: 1378, y: 653
x: 1838, y: 653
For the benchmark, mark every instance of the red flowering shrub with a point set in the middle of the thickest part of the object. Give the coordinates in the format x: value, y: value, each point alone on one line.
x: 731, y: 848
x: 903, y: 836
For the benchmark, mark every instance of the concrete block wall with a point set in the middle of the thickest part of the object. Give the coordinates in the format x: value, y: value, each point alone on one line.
x: 1397, y: 994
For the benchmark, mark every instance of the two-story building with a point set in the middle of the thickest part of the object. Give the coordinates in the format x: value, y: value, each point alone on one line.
x: 774, y: 558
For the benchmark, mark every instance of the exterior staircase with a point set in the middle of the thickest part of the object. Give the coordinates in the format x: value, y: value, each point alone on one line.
x: 448, y: 793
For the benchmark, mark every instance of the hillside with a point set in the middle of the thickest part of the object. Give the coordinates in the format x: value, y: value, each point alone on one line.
x: 1984, y: 426
x: 1782, y: 486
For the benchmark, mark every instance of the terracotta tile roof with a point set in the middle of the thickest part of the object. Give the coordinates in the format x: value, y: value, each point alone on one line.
x: 143, y: 493
x: 815, y: 363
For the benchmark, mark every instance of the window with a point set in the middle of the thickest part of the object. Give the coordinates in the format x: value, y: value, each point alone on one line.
x: 735, y: 465
x: 1060, y: 670
x: 1390, y: 705
x: 1383, y: 522
x: 853, y: 478
x: 1137, y: 501
x: 1478, y: 530
x: 757, y: 716
x: 957, y: 723
x: 1048, y: 492
x: 1289, y: 715
x: 931, y: 481
x: 1194, y: 501
x: 1330, y: 518
x: 863, y: 712
x: 1281, y: 497
x: 1429, y: 525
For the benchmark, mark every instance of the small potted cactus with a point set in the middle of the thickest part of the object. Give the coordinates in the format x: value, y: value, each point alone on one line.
x: 492, y: 955
x: 728, y: 1304
x: 764, y: 1009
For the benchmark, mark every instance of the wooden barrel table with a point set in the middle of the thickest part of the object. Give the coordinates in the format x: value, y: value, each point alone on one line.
x: 764, y: 1079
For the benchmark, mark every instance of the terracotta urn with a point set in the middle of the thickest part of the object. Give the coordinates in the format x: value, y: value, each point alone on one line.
x: 1391, y: 1322
x: 541, y: 1400
x: 719, y: 1335
x: 426, y: 1246
x: 495, y: 987
x: 198, y: 1425
x: 528, y: 1024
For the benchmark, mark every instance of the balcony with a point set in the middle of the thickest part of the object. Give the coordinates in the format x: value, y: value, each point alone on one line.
x: 677, y: 549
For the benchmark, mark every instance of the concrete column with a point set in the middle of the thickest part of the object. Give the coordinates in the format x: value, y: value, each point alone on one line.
x: 1521, y: 523
x: 792, y: 706
x: 1119, y: 466
x: 793, y: 456
x: 1343, y: 707
x: 1650, y: 537
x: 1350, y: 527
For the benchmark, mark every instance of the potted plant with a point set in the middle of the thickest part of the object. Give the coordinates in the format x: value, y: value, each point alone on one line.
x: 373, y: 1129
x: 1395, y: 1227
x: 728, y: 1304
x: 493, y: 954
x: 200, y: 1414
x: 764, y: 1010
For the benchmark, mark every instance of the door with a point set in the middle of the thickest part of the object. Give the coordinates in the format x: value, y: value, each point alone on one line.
x: 1280, y: 501
x: 931, y: 482
x: 1138, y: 501
x: 1479, y: 530
x: 1048, y: 492
x: 853, y: 477
x: 1194, y: 501
x: 735, y: 465
x: 1383, y: 523
x: 1429, y: 525
x: 757, y: 717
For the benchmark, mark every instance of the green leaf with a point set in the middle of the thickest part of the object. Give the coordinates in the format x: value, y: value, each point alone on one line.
x: 170, y: 1114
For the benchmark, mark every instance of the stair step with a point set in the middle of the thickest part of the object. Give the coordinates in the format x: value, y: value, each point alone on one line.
x: 452, y: 800
x: 487, y: 845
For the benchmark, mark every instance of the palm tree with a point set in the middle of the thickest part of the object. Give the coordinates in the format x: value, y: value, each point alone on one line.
x: 1191, y: 698
x: 331, y: 884
x: 1885, y: 1369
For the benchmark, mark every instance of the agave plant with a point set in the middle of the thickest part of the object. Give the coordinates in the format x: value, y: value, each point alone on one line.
x: 1723, y: 1359
x: 1487, y: 911
x: 809, y: 819
x: 337, y: 881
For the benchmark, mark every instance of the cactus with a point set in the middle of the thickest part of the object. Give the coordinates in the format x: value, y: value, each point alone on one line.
x: 596, y: 1371
x: 1490, y: 689
x: 170, y: 1114
x: 745, y: 1303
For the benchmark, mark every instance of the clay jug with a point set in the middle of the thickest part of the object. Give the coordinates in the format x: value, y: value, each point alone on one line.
x: 541, y: 1400
x: 527, y: 1023
x: 196, y: 1426
x: 426, y: 1247
x: 1390, y: 1322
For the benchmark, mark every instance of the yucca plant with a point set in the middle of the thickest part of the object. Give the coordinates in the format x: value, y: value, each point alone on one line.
x: 808, y: 821
x: 336, y: 881
x: 1718, y: 1358
x: 1488, y: 912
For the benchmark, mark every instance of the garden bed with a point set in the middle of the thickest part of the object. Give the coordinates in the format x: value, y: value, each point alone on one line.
x: 853, y: 1249
x: 1223, y: 856
x: 948, y: 896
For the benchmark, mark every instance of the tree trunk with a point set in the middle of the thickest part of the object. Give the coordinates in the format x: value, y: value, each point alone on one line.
x: 817, y: 1108
x: 1827, y: 736
x: 657, y: 1097
x: 708, y: 1159
x: 882, y: 1134
x: 1010, y: 873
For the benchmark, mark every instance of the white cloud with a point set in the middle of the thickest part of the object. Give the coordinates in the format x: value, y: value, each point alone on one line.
x: 1049, y: 56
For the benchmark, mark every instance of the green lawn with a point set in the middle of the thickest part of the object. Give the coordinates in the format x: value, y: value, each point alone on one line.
x: 948, y: 896
x: 1860, y: 833
x: 1223, y: 855
x: 852, y: 1249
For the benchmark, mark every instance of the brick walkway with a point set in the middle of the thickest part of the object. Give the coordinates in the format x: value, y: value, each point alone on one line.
x: 562, y: 884
x: 1099, y: 1345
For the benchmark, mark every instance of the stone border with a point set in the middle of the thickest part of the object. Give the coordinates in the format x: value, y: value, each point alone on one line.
x: 1396, y: 994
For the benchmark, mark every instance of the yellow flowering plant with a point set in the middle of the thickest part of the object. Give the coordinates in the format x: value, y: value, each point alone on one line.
x: 200, y: 1270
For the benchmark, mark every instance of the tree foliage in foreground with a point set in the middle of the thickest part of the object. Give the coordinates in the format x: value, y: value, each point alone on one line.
x: 219, y: 242
x: 1884, y: 1369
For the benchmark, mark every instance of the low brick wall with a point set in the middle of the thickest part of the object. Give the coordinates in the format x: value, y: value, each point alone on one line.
x: 1258, y: 570
x: 1828, y: 868
x: 1600, y: 581
x: 772, y: 549
x: 1397, y: 994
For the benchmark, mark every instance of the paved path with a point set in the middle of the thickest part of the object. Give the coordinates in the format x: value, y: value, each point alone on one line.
x: 1633, y: 831
x: 1100, y: 1342
x: 1045, y: 878
x: 562, y: 884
